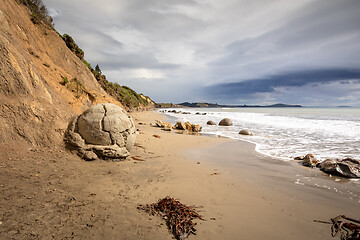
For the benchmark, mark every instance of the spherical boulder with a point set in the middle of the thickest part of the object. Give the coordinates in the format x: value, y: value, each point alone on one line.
x: 246, y: 132
x: 211, y: 123
x: 226, y: 122
x: 102, y: 131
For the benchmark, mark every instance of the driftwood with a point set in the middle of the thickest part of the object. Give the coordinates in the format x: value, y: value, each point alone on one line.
x: 178, y: 216
x: 348, y: 228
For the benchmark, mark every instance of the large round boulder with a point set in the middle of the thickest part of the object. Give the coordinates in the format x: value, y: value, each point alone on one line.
x: 225, y: 122
x: 102, y: 131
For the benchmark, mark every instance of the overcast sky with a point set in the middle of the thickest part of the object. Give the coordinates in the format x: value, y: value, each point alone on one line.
x: 230, y: 51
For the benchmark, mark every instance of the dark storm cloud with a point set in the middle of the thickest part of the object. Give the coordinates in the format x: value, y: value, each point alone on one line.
x: 320, y: 35
x: 294, y: 79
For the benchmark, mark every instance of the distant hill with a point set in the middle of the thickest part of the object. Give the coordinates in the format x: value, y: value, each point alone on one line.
x: 215, y: 105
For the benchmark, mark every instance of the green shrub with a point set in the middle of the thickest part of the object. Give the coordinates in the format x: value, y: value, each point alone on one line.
x: 38, y: 12
x: 70, y: 43
x: 88, y: 65
x: 64, y: 81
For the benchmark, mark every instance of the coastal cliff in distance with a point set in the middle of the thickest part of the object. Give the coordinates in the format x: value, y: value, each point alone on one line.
x: 215, y: 105
x: 43, y: 83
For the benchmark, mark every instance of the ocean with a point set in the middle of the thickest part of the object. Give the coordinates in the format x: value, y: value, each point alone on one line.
x: 285, y: 133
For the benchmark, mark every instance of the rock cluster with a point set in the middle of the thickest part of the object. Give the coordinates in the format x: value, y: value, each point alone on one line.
x: 179, y: 125
x: 188, y: 126
x: 228, y: 122
x: 102, y: 131
x: 346, y: 167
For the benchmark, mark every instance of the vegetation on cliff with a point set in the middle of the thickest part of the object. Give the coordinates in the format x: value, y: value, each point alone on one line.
x: 39, y: 12
x: 70, y: 43
x: 123, y: 94
x: 127, y: 96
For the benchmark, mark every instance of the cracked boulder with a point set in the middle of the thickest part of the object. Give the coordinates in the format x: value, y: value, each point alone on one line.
x: 102, y: 131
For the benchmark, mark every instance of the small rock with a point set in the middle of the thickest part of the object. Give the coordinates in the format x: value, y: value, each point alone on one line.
x: 180, y: 126
x: 211, y: 123
x: 246, y: 132
x: 310, y: 160
x: 188, y: 126
x: 196, y: 128
x: 168, y: 125
x: 159, y: 123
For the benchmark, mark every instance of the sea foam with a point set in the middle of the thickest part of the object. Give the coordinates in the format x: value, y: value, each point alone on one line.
x: 286, y: 132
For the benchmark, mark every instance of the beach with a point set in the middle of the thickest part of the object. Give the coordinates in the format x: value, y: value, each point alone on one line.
x: 252, y: 196
x: 240, y: 193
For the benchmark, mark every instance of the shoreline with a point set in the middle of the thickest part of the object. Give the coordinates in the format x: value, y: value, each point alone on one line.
x: 281, y: 134
x: 279, y: 193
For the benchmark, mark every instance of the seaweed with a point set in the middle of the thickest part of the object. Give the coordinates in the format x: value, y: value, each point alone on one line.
x: 348, y: 228
x: 178, y: 217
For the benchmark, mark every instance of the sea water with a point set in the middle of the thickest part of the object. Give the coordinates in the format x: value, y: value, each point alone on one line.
x: 285, y: 133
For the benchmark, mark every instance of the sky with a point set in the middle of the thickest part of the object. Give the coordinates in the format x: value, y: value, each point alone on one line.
x: 229, y: 52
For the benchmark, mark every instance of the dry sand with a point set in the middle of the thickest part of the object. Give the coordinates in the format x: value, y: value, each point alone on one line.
x: 55, y: 195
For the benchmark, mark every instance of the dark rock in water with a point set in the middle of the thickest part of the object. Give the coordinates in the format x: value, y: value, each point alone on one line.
x: 197, y: 113
x: 211, y: 123
x: 246, y: 132
x: 226, y: 122
x: 347, y: 167
x: 310, y: 160
x: 299, y: 158
x: 328, y: 166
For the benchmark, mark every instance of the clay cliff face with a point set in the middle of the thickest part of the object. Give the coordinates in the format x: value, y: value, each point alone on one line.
x: 35, y: 103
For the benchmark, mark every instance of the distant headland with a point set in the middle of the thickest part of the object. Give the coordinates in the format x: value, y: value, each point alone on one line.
x: 215, y: 105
